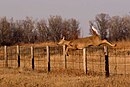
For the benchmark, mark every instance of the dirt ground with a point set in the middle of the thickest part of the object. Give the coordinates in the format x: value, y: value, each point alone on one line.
x: 26, y: 78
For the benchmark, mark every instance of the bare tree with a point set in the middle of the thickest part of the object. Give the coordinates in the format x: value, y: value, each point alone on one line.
x: 114, y: 28
x: 59, y: 28
x: 102, y: 21
x: 28, y: 26
x: 74, y: 30
x: 42, y: 30
x: 55, y: 26
x: 120, y: 28
x: 5, y: 31
x: 31, y: 31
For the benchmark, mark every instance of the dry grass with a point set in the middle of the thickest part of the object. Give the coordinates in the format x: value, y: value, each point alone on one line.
x: 52, y: 44
x: 122, y: 44
x: 14, y: 78
x: 71, y: 78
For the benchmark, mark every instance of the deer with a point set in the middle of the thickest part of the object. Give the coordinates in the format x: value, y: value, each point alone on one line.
x: 80, y: 43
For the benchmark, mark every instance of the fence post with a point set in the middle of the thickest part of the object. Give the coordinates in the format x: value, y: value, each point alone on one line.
x: 18, y: 55
x: 64, y: 55
x: 106, y: 61
x: 5, y: 55
x: 48, y: 58
x: 32, y: 57
x: 84, y: 60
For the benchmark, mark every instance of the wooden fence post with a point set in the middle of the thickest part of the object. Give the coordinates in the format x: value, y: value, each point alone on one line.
x: 48, y: 58
x: 106, y: 61
x: 32, y: 57
x: 84, y: 60
x: 18, y: 55
x: 5, y: 55
x: 64, y: 56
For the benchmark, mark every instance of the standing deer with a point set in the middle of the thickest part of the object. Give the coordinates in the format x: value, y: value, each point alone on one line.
x: 94, y: 40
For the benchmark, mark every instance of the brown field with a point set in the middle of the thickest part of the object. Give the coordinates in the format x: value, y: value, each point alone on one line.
x: 15, y: 78
x: 119, y: 62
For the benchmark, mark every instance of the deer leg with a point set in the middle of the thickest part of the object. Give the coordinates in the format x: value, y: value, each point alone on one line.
x: 69, y: 47
x: 66, y: 52
x: 108, y: 43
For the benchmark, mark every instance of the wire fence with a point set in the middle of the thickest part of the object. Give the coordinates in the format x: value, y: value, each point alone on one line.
x: 119, y: 61
x: 1, y: 57
x: 37, y: 58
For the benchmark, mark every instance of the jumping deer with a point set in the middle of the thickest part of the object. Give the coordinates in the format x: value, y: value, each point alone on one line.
x: 94, y: 40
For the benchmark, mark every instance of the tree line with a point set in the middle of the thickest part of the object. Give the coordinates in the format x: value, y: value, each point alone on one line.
x: 33, y: 31
x: 115, y: 28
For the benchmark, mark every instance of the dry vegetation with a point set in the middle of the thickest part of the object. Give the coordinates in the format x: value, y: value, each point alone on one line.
x: 24, y: 31
x: 14, y: 78
x: 52, y: 44
x: 10, y: 77
x: 119, y: 44
x: 122, y: 44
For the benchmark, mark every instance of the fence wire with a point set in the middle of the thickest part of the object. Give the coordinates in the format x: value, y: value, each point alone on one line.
x: 95, y: 60
x: 1, y: 57
x: 12, y: 56
x: 119, y: 59
x: 40, y: 58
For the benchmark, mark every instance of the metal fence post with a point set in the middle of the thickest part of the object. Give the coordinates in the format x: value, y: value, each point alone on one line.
x: 32, y: 57
x: 5, y: 55
x: 18, y: 55
x: 64, y: 56
x: 106, y: 61
x: 84, y: 60
x: 48, y: 58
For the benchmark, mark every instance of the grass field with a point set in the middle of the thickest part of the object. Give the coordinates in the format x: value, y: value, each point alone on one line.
x: 16, y: 78
x: 24, y: 76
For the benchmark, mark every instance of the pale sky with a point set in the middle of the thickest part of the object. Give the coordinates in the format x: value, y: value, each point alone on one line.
x: 82, y: 10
